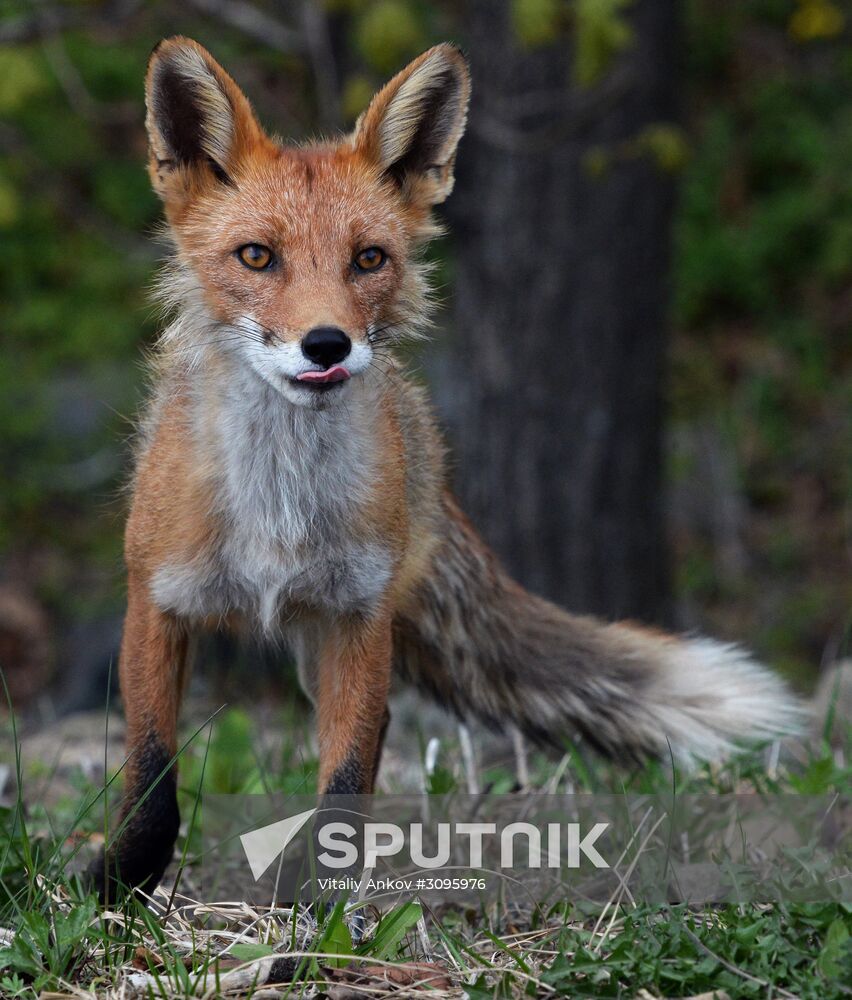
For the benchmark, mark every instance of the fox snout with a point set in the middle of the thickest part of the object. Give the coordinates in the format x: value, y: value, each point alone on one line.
x: 326, y: 346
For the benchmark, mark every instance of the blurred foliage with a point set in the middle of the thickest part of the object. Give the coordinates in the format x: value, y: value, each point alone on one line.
x: 762, y: 268
x: 537, y: 22
x: 665, y: 144
x: 816, y: 19
x: 763, y: 262
x: 74, y: 206
x: 600, y: 30
x: 601, y: 33
x: 388, y: 33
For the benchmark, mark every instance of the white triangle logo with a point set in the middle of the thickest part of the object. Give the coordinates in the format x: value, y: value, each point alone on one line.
x: 263, y: 846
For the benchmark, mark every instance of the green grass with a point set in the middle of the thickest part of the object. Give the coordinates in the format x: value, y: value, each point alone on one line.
x: 63, y: 943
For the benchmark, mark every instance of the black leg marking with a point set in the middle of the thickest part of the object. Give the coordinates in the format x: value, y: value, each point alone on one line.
x: 146, y: 844
x: 348, y: 778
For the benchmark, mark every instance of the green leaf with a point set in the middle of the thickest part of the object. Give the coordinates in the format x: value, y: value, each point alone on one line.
x: 71, y: 928
x: 20, y: 956
x: 336, y: 937
x: 441, y: 781
x: 818, y: 778
x: 249, y: 951
x: 829, y: 961
x: 338, y: 941
x: 391, y: 930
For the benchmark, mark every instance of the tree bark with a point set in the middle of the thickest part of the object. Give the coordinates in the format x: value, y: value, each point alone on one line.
x: 553, y: 390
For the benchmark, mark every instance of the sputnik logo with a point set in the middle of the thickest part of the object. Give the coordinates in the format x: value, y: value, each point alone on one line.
x: 263, y: 846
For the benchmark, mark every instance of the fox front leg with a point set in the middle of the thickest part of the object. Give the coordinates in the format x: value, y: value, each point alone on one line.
x: 354, y: 673
x: 353, y: 682
x: 151, y: 674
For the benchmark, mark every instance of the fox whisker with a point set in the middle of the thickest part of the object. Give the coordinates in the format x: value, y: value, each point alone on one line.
x: 374, y: 335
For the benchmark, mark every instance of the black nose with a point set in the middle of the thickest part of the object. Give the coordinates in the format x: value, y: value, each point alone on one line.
x: 326, y: 345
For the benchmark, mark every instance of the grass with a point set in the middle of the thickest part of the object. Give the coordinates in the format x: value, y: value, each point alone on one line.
x: 55, y: 941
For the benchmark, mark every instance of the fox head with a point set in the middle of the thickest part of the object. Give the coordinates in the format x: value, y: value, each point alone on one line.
x: 303, y: 259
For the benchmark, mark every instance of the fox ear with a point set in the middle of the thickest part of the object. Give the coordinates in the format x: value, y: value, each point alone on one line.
x: 413, y: 125
x: 199, y: 122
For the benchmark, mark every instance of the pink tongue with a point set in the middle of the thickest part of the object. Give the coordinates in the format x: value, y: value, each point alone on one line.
x: 337, y: 373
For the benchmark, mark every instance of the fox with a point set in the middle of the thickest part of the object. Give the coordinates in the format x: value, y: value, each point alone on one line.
x: 290, y: 477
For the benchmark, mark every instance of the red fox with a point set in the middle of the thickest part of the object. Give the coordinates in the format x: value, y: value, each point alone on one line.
x: 290, y: 478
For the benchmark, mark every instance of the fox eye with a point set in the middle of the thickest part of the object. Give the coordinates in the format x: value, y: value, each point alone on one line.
x: 255, y: 255
x: 370, y: 259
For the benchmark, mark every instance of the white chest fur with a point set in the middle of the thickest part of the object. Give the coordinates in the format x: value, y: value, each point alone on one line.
x: 289, y: 481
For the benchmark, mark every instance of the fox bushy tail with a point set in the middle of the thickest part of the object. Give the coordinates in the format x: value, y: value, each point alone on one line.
x: 483, y: 646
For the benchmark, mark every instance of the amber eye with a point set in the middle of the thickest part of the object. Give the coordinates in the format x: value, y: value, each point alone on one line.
x: 255, y: 256
x: 370, y: 259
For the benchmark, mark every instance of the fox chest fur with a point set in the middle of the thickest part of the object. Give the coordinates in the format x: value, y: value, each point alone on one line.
x: 288, y: 491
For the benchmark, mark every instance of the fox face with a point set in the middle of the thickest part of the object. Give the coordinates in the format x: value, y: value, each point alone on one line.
x: 305, y: 259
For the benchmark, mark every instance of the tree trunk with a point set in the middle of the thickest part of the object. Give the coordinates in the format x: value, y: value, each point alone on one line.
x: 553, y: 390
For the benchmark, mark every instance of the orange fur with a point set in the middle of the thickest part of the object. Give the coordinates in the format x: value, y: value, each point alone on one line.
x: 355, y: 672
x: 261, y: 499
x: 193, y: 558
